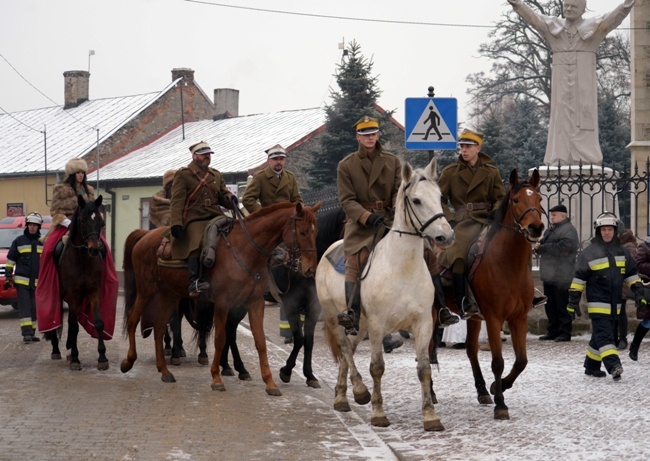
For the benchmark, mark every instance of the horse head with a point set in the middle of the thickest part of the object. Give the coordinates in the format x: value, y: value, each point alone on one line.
x: 300, y: 238
x: 525, y: 202
x: 88, y: 222
x: 420, y: 201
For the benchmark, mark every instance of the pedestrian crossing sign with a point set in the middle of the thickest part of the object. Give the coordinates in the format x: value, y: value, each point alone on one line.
x: 431, y: 123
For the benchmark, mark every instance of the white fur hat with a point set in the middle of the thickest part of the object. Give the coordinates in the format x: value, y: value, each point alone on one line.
x: 76, y: 165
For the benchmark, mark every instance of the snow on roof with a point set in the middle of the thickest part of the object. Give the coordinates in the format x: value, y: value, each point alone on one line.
x: 70, y: 132
x: 238, y: 144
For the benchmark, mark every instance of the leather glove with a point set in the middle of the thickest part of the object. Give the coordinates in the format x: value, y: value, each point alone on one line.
x: 9, y: 282
x: 375, y: 219
x: 234, y: 200
x: 177, y: 231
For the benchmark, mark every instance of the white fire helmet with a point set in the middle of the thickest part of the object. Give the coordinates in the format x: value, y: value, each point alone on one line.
x: 34, y: 218
x: 606, y: 219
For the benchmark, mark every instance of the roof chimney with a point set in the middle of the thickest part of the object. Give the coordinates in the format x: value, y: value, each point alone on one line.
x: 187, y: 74
x: 226, y: 102
x: 76, y: 87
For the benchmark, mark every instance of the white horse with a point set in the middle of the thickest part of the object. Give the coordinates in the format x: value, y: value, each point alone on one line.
x: 396, y: 294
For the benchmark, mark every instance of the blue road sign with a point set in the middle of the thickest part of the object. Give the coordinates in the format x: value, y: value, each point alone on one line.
x: 431, y: 123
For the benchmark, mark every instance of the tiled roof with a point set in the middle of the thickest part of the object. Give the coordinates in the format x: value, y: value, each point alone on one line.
x: 70, y: 132
x: 238, y: 144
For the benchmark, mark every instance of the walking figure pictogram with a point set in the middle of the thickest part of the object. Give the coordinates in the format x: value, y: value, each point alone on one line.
x: 434, y: 118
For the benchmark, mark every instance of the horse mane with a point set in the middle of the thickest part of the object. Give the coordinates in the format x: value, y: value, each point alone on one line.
x: 330, y: 227
x: 500, y: 213
x: 267, y: 210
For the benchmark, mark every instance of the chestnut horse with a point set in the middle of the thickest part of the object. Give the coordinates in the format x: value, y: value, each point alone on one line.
x: 503, y: 286
x: 238, y: 278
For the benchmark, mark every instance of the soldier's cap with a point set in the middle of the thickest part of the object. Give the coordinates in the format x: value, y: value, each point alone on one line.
x: 276, y: 151
x: 201, y: 148
x: 367, y: 125
x: 560, y: 208
x: 470, y: 137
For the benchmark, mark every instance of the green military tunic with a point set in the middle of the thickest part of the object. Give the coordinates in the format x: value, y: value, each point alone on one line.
x: 462, y: 185
x: 197, y: 197
x: 366, y: 186
x: 266, y: 189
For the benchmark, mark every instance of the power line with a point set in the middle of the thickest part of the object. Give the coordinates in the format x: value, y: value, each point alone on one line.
x: 345, y: 18
x: 19, y: 121
x: 46, y: 96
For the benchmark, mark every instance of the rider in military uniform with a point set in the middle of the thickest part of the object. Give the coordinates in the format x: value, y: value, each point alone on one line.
x: 198, y: 193
x: 273, y: 184
x: 471, y: 188
x: 368, y: 181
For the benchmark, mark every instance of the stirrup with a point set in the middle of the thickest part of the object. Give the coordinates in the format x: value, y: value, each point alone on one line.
x: 348, y: 321
x: 468, y: 309
x: 197, y: 287
x: 447, y: 318
x: 539, y: 301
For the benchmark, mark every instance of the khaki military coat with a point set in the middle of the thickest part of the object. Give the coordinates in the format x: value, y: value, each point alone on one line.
x: 461, y: 185
x: 363, y: 181
x: 266, y: 189
x: 197, y: 197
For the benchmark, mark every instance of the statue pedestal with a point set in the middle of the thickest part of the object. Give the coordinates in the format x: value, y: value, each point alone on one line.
x: 586, y: 191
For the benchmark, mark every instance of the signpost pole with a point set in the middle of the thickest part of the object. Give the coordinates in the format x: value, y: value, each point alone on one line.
x: 431, y: 94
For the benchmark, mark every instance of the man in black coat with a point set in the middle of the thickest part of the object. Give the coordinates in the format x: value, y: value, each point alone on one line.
x: 557, y: 249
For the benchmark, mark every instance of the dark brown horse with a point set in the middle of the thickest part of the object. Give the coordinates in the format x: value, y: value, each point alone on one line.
x: 238, y: 278
x: 503, y: 286
x: 81, y: 269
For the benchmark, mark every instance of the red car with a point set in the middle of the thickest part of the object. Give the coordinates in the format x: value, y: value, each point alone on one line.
x: 10, y: 228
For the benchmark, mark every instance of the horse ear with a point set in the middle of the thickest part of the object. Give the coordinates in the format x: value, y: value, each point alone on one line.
x: 80, y: 201
x: 316, y: 207
x: 299, y: 208
x: 514, y: 179
x: 431, y: 168
x: 407, y: 172
x: 534, y: 178
x: 98, y: 201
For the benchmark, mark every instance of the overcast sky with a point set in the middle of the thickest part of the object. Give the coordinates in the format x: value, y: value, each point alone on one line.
x: 278, y: 61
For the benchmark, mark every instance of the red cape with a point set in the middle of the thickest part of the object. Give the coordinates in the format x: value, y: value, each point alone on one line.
x: 48, y: 298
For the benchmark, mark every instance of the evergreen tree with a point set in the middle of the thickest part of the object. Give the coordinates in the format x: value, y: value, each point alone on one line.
x: 357, y: 96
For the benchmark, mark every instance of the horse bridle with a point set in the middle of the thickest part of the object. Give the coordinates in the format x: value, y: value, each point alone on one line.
x: 409, y: 213
x: 518, y: 227
x: 86, y: 237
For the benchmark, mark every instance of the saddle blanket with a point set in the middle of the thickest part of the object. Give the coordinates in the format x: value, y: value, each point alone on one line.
x: 337, y: 258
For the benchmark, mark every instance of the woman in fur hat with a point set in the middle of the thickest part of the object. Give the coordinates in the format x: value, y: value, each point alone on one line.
x: 64, y: 204
x: 160, y: 211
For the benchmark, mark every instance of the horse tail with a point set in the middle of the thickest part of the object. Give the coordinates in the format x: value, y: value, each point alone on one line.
x: 130, y: 289
x: 333, y: 343
x: 202, y: 321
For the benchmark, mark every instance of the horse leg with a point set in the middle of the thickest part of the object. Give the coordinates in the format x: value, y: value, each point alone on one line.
x: 132, y: 319
x: 311, y: 318
x: 473, y: 330
x: 73, y: 333
x: 220, y: 316
x: 256, y: 318
x: 378, y: 417
x: 53, y: 336
x: 292, y: 312
x: 235, y: 316
x: 205, y: 319
x: 177, y: 350
x: 226, y: 370
x: 159, y: 328
x: 496, y: 389
x: 102, y: 361
x: 423, y: 335
x: 168, y: 342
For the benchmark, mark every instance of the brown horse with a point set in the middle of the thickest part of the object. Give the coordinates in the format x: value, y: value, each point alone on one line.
x: 503, y: 286
x: 238, y: 278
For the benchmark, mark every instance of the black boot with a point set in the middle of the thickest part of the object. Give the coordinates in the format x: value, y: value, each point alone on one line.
x: 465, y: 304
x: 197, y: 284
x: 445, y: 316
x: 350, y: 318
x: 389, y: 343
x: 639, y: 334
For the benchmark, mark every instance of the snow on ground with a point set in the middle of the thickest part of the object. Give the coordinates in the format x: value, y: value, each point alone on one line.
x: 556, y: 411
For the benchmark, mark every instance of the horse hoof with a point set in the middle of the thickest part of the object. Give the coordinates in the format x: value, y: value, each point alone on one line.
x: 168, y: 352
x: 313, y: 383
x: 75, y: 366
x: 501, y: 415
x: 203, y: 360
x: 245, y: 376
x: 379, y: 421
x: 274, y: 391
x: 168, y: 378
x: 175, y: 361
x: 284, y: 376
x: 182, y: 353
x: 102, y: 366
x: 434, y: 425
x: 362, y: 398
x: 56, y: 356
x: 434, y: 400
x: 485, y: 400
x: 342, y: 407
x: 218, y: 387
x: 227, y: 372
x: 124, y: 366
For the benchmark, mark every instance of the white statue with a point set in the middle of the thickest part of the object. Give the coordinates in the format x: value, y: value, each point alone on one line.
x: 573, y: 126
